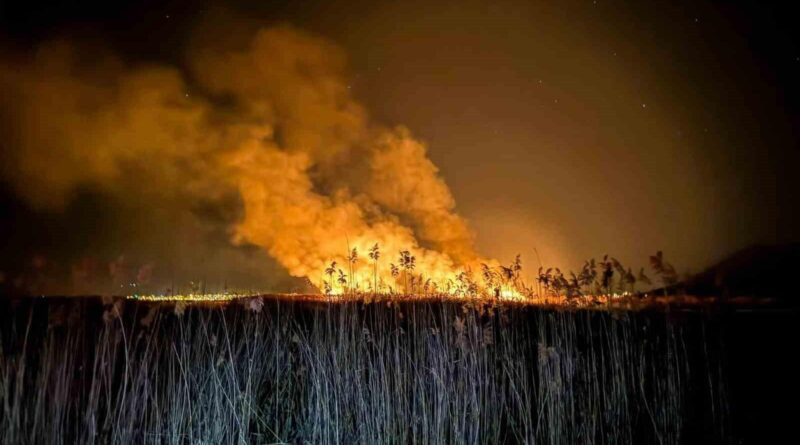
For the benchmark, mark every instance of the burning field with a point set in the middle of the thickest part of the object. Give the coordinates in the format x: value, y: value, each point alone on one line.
x: 214, y: 236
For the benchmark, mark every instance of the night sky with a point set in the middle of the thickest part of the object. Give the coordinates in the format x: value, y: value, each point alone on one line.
x: 576, y: 128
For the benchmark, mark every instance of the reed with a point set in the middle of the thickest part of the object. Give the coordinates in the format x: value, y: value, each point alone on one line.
x: 271, y: 371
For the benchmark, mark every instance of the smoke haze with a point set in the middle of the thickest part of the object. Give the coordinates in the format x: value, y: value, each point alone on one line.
x: 265, y: 149
x: 159, y: 137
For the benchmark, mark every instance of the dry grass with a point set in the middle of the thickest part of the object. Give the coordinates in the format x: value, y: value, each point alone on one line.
x: 289, y: 371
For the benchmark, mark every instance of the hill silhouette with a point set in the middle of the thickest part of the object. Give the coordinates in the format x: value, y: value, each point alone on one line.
x: 766, y: 271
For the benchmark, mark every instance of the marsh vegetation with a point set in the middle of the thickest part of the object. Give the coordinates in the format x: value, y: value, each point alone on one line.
x: 425, y: 371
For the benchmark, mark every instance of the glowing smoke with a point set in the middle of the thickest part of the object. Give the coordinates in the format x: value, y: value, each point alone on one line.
x: 267, y: 137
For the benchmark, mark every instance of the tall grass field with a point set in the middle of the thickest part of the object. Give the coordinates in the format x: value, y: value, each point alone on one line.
x: 267, y: 370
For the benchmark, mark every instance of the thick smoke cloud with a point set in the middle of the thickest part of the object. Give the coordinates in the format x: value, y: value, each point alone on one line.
x: 249, y: 149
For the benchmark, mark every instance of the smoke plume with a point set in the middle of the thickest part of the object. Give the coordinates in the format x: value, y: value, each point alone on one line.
x: 261, y: 144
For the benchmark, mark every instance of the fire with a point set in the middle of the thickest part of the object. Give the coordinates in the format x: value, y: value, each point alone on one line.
x: 291, y: 163
x: 512, y: 294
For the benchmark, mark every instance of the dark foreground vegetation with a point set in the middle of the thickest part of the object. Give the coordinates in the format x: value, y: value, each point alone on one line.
x: 271, y: 371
